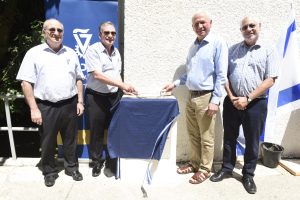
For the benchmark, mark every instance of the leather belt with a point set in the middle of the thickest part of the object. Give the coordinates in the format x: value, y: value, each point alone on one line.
x: 200, y: 92
x: 58, y: 103
x: 93, y: 92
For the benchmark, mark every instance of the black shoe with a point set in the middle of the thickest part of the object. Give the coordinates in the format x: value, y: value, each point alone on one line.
x: 110, y: 167
x: 108, y: 172
x: 97, y: 169
x: 219, y: 176
x: 50, y: 179
x: 249, y: 185
x: 76, y: 175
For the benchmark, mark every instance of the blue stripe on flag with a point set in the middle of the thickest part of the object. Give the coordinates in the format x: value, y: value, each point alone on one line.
x: 240, y: 149
x: 291, y: 28
x: 288, y: 95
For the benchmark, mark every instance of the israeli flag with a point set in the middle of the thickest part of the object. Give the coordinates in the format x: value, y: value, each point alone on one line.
x: 284, y: 96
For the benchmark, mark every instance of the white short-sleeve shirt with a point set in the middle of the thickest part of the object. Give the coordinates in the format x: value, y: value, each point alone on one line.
x: 53, y: 74
x: 97, y: 58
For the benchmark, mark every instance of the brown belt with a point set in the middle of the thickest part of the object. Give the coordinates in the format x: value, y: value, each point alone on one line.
x: 200, y: 93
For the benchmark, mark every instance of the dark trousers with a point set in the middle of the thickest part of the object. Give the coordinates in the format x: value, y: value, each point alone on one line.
x: 252, y: 119
x: 58, y: 117
x: 98, y: 107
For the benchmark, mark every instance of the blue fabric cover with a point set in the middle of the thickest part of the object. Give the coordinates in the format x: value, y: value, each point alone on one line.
x: 137, y: 124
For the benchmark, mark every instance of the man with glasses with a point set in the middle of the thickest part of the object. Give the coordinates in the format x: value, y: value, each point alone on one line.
x: 52, y: 85
x: 251, y: 72
x: 104, y: 89
x: 205, y: 77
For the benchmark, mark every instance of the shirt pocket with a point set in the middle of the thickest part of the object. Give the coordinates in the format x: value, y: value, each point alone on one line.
x: 258, y: 64
x: 107, y: 67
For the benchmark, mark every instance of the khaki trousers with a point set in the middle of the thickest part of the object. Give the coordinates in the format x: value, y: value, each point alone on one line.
x: 201, y: 131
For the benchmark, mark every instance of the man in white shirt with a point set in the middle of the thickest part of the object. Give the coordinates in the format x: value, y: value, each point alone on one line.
x: 52, y: 85
x: 104, y: 89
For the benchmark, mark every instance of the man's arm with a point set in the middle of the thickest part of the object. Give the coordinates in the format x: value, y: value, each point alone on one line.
x: 36, y: 116
x: 221, y: 64
x: 242, y: 102
x: 262, y: 88
x: 127, y: 88
x: 80, y: 105
x: 228, y: 89
x: 220, y: 70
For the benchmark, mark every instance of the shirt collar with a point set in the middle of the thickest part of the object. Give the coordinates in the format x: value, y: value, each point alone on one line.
x: 257, y: 44
x: 207, y: 39
x: 46, y: 47
x: 102, y: 48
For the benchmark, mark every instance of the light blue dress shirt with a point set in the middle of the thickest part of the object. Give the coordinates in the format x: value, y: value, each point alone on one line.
x: 250, y: 66
x: 206, y: 67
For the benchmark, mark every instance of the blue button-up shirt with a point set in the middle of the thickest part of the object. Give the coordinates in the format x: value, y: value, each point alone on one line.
x: 250, y: 66
x: 206, y: 67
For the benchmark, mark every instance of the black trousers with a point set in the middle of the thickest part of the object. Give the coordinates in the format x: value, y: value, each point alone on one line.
x: 58, y: 117
x: 252, y: 119
x: 98, y: 107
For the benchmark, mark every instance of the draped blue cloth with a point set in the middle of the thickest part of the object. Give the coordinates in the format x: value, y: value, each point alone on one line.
x: 140, y: 127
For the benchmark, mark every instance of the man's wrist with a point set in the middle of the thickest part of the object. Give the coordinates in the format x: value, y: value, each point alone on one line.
x: 176, y: 83
x: 248, y: 99
x: 81, y: 102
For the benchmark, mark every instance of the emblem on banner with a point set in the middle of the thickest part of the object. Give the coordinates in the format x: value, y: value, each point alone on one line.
x: 83, y: 40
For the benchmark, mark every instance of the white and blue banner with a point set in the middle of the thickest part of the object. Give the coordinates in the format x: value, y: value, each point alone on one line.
x: 284, y: 96
x: 81, y: 19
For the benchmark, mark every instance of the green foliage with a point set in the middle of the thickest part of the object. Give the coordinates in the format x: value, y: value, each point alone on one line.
x: 20, y: 29
x: 21, y: 44
x: 16, y: 51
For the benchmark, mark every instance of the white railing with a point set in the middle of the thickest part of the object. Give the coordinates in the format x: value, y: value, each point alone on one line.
x: 9, y: 127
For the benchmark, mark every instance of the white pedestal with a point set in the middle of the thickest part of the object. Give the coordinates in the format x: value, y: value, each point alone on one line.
x: 163, y: 171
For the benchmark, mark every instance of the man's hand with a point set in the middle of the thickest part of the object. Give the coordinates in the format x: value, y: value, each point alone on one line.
x: 212, y: 109
x: 80, y: 108
x: 36, y: 116
x: 169, y: 87
x: 240, y: 103
x: 129, y: 89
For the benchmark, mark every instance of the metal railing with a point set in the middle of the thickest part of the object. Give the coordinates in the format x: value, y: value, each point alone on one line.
x: 10, y: 128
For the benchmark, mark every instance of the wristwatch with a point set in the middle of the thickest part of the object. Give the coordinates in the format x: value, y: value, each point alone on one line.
x: 248, y: 99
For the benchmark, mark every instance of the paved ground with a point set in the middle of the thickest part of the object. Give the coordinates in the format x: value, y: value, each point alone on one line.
x: 21, y: 180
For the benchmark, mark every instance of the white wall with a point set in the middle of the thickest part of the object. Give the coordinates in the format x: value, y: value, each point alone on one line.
x: 157, y: 35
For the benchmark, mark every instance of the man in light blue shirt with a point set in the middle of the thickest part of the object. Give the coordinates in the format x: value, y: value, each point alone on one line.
x: 205, y: 77
x: 251, y: 72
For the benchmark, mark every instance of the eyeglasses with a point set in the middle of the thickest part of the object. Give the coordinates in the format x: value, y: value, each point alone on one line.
x: 245, y: 27
x: 106, y: 33
x: 52, y: 30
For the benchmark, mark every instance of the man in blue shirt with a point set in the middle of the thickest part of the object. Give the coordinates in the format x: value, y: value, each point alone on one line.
x: 205, y: 77
x: 251, y: 72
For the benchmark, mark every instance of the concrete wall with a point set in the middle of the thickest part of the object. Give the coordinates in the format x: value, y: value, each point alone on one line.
x: 157, y: 35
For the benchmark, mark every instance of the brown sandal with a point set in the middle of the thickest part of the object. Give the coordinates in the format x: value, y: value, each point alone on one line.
x: 186, y: 169
x: 199, y: 177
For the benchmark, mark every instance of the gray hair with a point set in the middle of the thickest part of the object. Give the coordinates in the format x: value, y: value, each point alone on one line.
x: 256, y: 19
x: 46, y: 23
x: 105, y: 24
x: 201, y: 12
